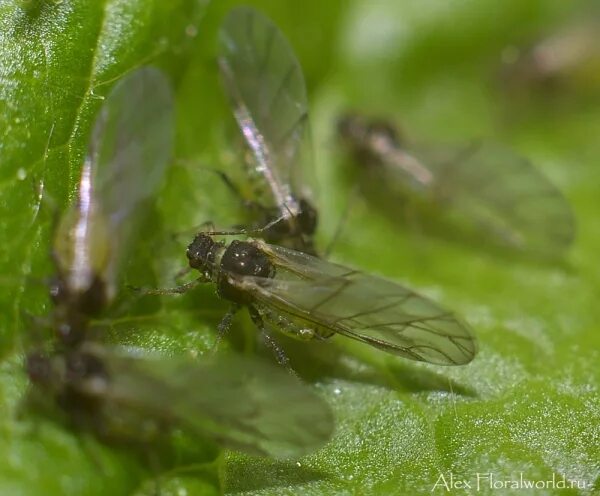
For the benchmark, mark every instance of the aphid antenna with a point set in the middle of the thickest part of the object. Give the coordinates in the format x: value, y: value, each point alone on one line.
x: 183, y: 288
x: 227, y: 181
x: 181, y: 273
x: 192, y: 231
x: 38, y: 185
x: 246, y: 232
x: 231, y: 186
x: 134, y: 67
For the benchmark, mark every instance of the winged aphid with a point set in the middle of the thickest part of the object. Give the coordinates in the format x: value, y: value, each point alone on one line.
x: 483, y: 188
x: 309, y: 298
x: 120, y: 395
x: 265, y: 85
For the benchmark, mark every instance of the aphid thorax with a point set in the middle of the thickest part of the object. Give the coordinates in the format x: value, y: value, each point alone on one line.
x: 222, y: 263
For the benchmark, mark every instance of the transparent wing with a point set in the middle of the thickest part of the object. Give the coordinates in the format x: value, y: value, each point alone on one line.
x: 131, y: 147
x: 239, y: 402
x: 502, y: 193
x: 370, y: 309
x: 129, y: 150
x: 265, y: 85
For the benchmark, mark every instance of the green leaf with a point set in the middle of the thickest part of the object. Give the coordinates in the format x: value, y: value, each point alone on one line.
x: 527, y: 404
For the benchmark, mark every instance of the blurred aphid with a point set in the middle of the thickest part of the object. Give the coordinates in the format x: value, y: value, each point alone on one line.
x: 128, y: 153
x: 568, y: 58
x: 232, y: 400
x: 308, y: 298
x: 122, y: 396
x: 265, y: 85
x: 482, y: 187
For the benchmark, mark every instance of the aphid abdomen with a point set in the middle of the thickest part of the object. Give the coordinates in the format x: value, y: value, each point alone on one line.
x: 292, y: 326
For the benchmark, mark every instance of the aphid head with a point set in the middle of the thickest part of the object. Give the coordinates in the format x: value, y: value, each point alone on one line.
x: 351, y: 127
x: 201, y: 253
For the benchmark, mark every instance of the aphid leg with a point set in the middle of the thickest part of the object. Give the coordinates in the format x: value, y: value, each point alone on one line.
x: 233, y: 188
x: 224, y: 326
x: 181, y: 273
x: 194, y: 230
x: 342, y: 221
x: 184, y: 288
x: 270, y: 341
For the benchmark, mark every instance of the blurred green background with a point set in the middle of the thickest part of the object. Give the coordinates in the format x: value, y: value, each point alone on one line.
x: 528, y: 403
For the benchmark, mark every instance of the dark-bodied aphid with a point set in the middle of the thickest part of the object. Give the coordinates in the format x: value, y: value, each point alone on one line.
x: 232, y: 400
x: 133, y: 397
x: 265, y: 85
x: 483, y: 186
x: 309, y: 298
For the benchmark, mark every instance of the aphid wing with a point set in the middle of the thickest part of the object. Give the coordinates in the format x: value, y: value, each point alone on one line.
x: 127, y: 155
x: 265, y: 85
x: 236, y: 402
x: 503, y: 193
x: 130, y: 149
x: 379, y: 312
